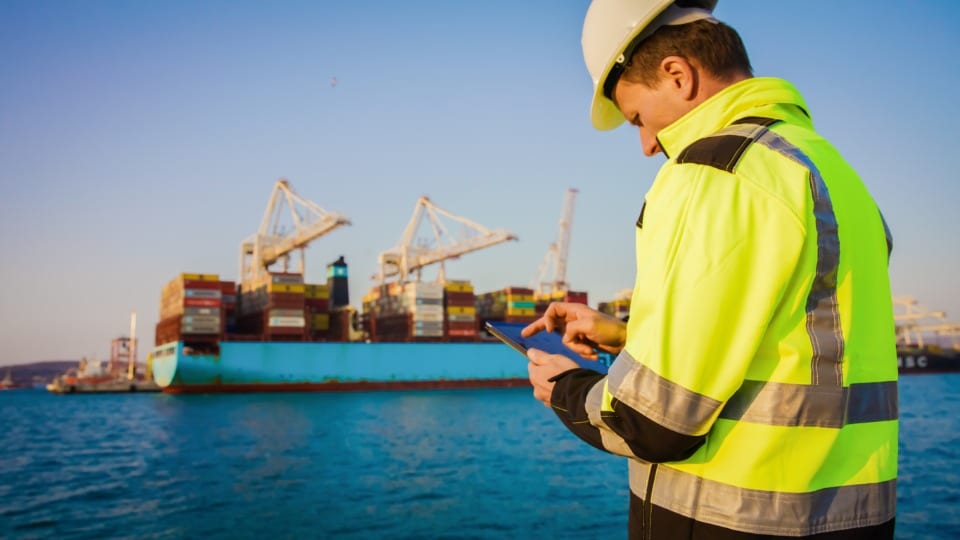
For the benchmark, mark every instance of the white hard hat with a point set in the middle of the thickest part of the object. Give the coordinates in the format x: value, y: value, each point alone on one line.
x: 611, y: 27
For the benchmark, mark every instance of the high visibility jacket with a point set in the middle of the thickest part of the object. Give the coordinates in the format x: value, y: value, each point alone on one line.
x: 757, y: 391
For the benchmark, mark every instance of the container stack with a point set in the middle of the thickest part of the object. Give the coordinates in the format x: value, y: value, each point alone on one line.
x: 190, y: 310
x: 460, y: 311
x: 408, y: 312
x: 386, y: 318
x: 619, y: 308
x: 512, y: 304
x: 425, y: 305
x: 317, y: 302
x: 368, y: 312
x: 228, y: 306
x: 274, y: 307
x: 576, y: 297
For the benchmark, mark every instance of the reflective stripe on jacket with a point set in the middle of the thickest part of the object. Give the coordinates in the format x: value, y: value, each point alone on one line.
x: 760, y: 366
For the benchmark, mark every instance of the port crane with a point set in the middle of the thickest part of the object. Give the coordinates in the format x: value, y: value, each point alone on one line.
x: 556, y: 258
x: 406, y: 258
x: 273, y: 243
x: 912, y: 323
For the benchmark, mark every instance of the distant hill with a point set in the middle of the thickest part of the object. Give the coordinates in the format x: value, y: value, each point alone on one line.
x: 36, y: 372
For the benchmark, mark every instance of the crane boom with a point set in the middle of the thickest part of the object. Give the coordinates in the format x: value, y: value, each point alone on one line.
x: 271, y: 243
x: 558, y: 252
x: 406, y: 258
x: 913, y: 323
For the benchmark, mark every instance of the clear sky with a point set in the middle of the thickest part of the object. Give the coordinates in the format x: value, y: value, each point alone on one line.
x: 141, y: 139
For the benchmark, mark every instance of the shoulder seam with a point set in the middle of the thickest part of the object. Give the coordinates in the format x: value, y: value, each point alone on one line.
x: 723, y: 149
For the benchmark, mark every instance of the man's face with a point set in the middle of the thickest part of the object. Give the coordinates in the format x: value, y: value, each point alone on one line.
x: 650, y: 109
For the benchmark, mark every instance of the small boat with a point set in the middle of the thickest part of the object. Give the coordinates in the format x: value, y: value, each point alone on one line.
x: 120, y: 373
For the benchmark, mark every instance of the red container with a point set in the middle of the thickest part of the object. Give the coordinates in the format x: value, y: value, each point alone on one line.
x: 285, y: 301
x: 198, y: 284
x: 462, y: 332
x: 518, y: 290
x: 201, y: 302
x: 459, y: 298
x: 317, y: 305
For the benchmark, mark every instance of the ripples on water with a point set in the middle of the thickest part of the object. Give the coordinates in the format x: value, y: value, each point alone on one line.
x: 434, y: 464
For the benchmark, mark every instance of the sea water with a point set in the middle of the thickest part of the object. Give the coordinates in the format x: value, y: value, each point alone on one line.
x: 425, y: 464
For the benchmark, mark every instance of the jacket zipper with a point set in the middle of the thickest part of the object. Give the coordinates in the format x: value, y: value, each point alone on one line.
x: 648, y: 504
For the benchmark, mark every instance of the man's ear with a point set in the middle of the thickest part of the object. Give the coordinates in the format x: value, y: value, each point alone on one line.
x: 681, y: 75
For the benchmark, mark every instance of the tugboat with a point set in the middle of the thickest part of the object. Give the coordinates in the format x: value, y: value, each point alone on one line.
x: 119, y: 375
x: 926, y: 341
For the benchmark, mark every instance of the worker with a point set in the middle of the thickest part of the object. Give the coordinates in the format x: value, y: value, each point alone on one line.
x: 754, y: 391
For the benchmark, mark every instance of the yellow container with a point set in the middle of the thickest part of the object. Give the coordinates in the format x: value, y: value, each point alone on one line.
x: 321, y: 292
x: 521, y: 312
x: 519, y: 298
x: 200, y: 277
x: 462, y: 310
x: 458, y: 286
x: 320, y: 321
x: 284, y: 288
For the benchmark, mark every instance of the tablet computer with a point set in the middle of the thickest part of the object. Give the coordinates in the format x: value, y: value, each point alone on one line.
x: 550, y: 342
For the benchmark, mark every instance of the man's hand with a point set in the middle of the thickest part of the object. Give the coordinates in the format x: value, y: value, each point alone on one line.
x: 541, y: 368
x: 584, y: 329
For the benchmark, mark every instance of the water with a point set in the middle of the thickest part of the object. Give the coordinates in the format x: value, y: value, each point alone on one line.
x: 433, y: 464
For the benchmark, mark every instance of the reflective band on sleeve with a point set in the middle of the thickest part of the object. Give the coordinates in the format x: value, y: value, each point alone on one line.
x: 782, y: 404
x: 768, y: 512
x: 596, y: 398
x: 662, y: 401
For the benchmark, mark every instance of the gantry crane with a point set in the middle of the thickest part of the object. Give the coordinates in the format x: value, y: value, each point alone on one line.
x: 406, y: 258
x: 913, y: 323
x: 272, y: 243
x: 556, y: 257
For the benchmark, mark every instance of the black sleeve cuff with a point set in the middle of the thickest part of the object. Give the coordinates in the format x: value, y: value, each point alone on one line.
x: 569, y: 403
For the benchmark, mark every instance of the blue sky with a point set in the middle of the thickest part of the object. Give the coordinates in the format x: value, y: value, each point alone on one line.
x: 139, y: 140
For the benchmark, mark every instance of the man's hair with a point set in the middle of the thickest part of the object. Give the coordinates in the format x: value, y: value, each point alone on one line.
x: 714, y: 46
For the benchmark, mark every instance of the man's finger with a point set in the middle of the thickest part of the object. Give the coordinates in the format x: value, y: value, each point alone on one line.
x: 536, y: 326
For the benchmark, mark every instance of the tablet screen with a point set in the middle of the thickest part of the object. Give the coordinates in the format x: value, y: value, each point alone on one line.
x: 549, y: 342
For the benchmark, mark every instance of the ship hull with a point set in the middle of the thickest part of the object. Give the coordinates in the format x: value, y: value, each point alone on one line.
x: 920, y: 361
x: 244, y: 366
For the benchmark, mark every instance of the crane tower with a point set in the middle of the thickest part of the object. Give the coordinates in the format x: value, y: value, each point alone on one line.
x: 556, y: 257
x: 273, y: 243
x: 406, y: 258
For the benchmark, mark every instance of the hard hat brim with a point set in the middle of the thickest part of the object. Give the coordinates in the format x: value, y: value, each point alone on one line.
x: 604, y: 114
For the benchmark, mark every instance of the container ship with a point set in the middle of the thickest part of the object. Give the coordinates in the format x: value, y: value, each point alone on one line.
x: 275, y: 331
x: 286, y: 335
x: 926, y: 341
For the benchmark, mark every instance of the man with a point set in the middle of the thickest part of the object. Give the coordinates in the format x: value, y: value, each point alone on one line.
x: 754, y: 391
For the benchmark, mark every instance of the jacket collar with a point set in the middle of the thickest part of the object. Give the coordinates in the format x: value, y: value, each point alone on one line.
x: 760, y: 96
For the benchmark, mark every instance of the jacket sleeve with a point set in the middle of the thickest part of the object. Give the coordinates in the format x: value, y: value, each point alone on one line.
x: 714, y: 258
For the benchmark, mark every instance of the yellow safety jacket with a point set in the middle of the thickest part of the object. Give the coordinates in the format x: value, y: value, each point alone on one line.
x: 757, y: 391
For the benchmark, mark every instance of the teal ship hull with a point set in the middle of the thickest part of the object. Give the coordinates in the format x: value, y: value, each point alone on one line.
x: 256, y: 366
